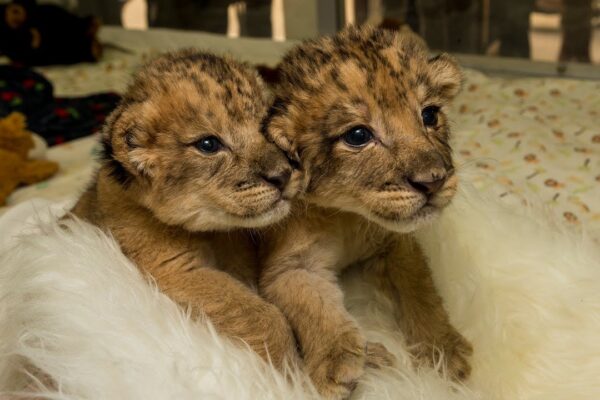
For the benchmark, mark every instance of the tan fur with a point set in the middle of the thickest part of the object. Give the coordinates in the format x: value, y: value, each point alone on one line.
x: 177, y: 211
x: 359, y: 206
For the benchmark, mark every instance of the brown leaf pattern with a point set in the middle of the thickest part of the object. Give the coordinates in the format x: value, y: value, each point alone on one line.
x: 536, y: 138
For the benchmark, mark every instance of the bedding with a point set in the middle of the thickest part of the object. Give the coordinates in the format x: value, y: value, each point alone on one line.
x: 55, y: 119
x: 534, y: 138
x: 524, y: 291
x: 529, y: 138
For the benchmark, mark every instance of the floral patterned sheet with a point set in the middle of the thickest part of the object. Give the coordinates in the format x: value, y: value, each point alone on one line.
x: 535, y: 139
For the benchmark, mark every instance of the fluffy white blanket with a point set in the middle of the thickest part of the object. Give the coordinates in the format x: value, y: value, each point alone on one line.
x: 524, y: 291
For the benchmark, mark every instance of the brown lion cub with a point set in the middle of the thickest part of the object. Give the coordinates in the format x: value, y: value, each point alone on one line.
x: 365, y: 112
x: 185, y: 169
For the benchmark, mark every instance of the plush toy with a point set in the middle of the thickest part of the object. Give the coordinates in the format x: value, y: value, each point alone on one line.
x: 46, y: 34
x: 15, y: 166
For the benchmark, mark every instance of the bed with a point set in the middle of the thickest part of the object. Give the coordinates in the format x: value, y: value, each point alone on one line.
x: 516, y: 258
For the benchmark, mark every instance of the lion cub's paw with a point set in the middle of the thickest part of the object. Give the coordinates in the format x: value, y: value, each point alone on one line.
x: 454, y: 349
x: 457, y: 351
x: 378, y: 356
x: 276, y: 344
x: 336, y: 369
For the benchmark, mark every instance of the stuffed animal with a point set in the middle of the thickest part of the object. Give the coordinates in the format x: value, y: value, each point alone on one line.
x: 15, y: 166
x: 46, y: 34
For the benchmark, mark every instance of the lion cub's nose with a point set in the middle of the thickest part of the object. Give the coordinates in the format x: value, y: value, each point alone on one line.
x: 429, y: 183
x: 278, y: 179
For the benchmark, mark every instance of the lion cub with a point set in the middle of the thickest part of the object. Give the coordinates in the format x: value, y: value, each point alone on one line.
x: 185, y: 171
x: 365, y: 112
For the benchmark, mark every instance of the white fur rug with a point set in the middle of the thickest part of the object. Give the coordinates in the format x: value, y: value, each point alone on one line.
x: 525, y: 292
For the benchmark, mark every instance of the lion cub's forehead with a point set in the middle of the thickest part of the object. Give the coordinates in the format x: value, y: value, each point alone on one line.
x: 365, y: 62
x: 192, y: 86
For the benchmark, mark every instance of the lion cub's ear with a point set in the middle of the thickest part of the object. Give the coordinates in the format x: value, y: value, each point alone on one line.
x: 444, y: 72
x: 277, y: 130
x: 446, y: 75
x: 126, y: 147
x: 145, y: 162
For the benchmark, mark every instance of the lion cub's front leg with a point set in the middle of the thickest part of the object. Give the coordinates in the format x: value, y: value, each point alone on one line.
x: 404, y: 275
x: 236, y: 311
x: 334, y: 350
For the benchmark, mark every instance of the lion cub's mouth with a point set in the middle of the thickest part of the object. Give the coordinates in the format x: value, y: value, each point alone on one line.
x: 423, y: 216
x: 423, y: 212
x: 426, y: 210
x: 278, y: 210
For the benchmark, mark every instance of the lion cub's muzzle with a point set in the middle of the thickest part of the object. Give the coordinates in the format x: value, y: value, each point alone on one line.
x: 431, y: 179
x: 276, y: 171
x: 428, y: 182
x: 278, y: 179
x: 437, y: 187
x: 287, y: 181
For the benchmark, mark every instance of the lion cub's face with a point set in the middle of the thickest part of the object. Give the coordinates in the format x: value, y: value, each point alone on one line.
x: 365, y: 110
x: 186, y: 144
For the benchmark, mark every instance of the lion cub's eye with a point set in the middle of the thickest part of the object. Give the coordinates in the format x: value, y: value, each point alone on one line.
x: 430, y: 115
x: 358, y: 136
x: 209, y: 144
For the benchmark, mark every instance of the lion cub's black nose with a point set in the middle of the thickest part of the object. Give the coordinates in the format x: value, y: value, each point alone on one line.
x: 279, y: 179
x: 428, y: 184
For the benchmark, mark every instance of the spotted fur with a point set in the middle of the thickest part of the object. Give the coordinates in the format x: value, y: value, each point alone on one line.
x: 362, y: 203
x: 180, y: 213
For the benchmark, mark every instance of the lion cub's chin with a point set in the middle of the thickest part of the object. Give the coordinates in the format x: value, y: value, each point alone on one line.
x: 424, y: 216
x: 220, y: 220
